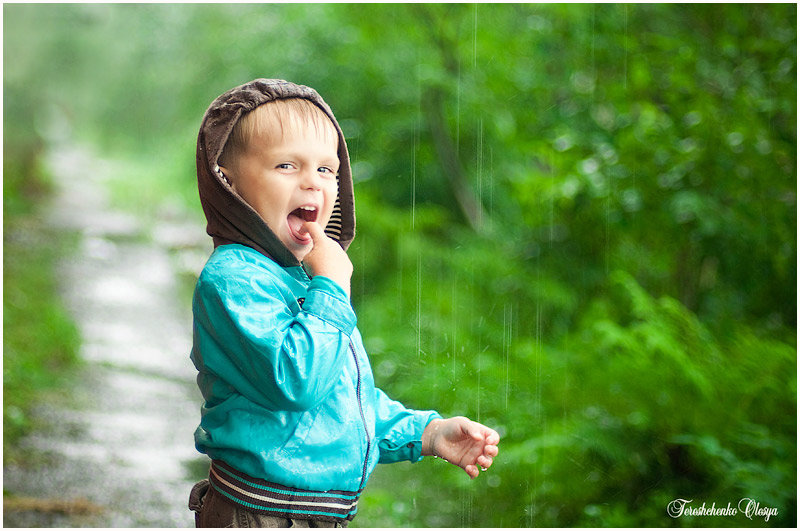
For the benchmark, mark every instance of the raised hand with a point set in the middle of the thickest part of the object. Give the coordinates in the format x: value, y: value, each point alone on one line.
x: 327, y: 258
x: 462, y: 442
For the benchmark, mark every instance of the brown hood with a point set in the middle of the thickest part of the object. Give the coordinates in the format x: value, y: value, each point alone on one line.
x: 230, y: 219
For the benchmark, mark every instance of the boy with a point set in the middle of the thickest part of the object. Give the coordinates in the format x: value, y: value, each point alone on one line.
x: 291, y: 420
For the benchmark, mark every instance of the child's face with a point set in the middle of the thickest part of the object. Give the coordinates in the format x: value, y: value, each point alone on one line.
x: 288, y: 180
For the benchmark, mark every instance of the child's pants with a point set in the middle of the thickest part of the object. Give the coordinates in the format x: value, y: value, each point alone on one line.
x: 214, y: 510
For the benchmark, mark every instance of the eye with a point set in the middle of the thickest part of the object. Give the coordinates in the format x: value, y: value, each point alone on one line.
x: 326, y: 170
x: 285, y: 166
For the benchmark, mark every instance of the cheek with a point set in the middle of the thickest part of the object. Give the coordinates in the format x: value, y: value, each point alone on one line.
x: 330, y: 201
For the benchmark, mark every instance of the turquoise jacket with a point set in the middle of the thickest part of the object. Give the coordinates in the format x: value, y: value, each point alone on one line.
x: 289, y: 392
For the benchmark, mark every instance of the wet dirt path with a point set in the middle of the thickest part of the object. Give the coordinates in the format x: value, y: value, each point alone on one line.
x: 118, y: 451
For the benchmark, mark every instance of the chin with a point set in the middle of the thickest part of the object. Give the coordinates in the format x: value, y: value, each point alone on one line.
x: 300, y: 254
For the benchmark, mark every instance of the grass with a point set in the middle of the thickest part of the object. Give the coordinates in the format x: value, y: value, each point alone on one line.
x: 40, y: 341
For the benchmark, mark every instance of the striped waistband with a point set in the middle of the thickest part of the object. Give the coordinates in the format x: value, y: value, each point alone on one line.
x: 279, y: 500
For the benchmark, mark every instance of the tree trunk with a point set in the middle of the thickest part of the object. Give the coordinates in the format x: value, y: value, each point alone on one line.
x: 472, y: 210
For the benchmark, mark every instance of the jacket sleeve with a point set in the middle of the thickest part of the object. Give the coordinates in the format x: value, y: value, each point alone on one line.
x: 398, y: 430
x: 252, y: 340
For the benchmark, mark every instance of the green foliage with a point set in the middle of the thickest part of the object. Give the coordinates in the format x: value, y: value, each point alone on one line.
x: 638, y: 402
x: 40, y: 342
x: 621, y: 300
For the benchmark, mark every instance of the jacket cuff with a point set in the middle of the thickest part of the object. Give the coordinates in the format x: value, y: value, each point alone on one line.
x: 411, y: 450
x: 327, y: 301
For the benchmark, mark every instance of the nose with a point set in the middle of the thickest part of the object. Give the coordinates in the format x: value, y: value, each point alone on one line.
x: 310, y: 179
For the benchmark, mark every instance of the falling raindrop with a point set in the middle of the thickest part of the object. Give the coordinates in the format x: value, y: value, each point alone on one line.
x: 529, y: 508
x: 625, y: 68
x: 551, y: 167
x: 475, y: 38
x: 479, y: 165
x: 594, y: 68
x: 608, y: 227
x: 414, y: 175
x: 478, y: 394
x: 400, y: 269
x: 419, y: 305
x: 415, y: 143
x: 507, y: 317
x: 455, y: 327
x: 458, y: 110
x: 491, y: 188
x: 363, y: 254
x: 538, y: 362
x: 414, y: 180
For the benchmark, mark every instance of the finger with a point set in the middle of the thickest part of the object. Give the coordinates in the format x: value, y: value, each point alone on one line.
x: 475, y: 431
x: 314, y: 230
x: 484, y: 461
x: 490, y: 450
x: 492, y: 437
x: 472, y: 471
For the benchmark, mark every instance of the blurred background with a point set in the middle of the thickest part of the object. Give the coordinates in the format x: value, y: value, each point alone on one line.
x: 576, y: 224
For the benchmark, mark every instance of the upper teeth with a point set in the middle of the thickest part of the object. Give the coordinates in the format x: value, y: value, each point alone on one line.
x: 308, y: 208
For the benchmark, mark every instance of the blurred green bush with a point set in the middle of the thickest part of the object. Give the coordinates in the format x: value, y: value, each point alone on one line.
x: 40, y: 342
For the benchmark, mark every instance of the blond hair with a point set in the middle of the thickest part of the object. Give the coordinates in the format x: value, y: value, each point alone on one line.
x: 272, y: 119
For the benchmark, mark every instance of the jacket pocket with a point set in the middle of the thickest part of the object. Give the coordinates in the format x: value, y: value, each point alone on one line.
x: 305, y: 424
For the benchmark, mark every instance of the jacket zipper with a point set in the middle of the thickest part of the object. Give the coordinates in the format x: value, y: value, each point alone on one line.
x: 363, y: 418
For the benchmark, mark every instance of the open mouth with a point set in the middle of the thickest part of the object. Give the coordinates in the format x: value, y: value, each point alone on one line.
x: 306, y: 213
x: 296, y: 218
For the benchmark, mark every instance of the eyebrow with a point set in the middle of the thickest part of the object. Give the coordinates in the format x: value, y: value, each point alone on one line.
x: 277, y: 153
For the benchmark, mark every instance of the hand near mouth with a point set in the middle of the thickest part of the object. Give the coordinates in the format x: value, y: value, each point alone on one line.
x: 327, y: 258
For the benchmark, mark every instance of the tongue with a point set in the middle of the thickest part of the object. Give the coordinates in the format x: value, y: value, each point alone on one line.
x: 295, y: 223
